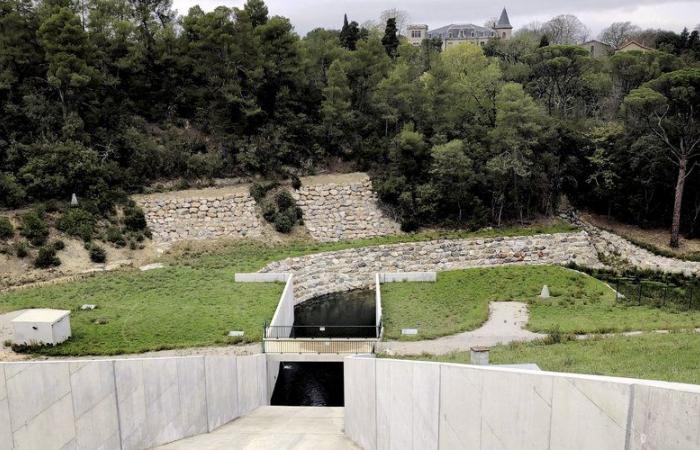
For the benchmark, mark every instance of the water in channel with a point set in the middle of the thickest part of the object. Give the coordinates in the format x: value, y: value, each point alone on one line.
x: 340, y: 314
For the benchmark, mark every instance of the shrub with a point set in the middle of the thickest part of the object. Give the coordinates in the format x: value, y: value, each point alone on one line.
x: 7, y: 231
x: 34, y: 228
x: 21, y: 249
x: 12, y: 194
x: 115, y: 236
x: 77, y: 222
x: 284, y: 200
x: 283, y: 223
x: 97, y: 254
x: 259, y: 190
x: 269, y: 211
x: 59, y: 245
x: 134, y: 218
x: 296, y: 182
x: 46, y: 258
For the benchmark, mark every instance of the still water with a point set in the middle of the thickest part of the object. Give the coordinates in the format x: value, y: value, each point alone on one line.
x: 309, y: 384
x: 340, y: 314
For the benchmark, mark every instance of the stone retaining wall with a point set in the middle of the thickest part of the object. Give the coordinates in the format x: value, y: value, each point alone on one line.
x: 178, y: 219
x: 340, y: 212
x: 615, y: 247
x: 323, y: 273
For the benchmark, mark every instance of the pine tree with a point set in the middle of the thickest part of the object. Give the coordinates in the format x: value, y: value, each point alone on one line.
x: 390, y: 41
x: 350, y: 34
x: 544, y: 42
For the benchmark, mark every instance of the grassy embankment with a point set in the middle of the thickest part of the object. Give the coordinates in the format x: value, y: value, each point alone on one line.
x: 666, y: 357
x: 192, y: 302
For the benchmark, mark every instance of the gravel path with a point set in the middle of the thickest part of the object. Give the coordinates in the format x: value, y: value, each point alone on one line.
x: 506, y: 324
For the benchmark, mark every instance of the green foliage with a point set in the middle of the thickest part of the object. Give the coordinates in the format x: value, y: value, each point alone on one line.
x: 11, y: 192
x: 390, y: 41
x: 46, y: 257
x: 34, y: 228
x: 284, y: 200
x: 98, y: 254
x: 283, y: 221
x: 115, y: 236
x: 21, y: 249
x: 77, y: 222
x: 134, y: 218
x: 59, y: 245
x: 296, y: 182
x: 259, y: 190
x: 7, y: 231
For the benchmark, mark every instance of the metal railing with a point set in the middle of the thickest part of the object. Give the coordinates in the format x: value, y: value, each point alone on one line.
x: 324, y: 345
x: 661, y: 294
x: 323, y: 331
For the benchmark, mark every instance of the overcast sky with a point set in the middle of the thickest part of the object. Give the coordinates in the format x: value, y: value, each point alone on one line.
x: 596, y: 14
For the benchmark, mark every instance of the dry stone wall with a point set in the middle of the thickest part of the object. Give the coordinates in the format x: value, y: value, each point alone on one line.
x: 339, y: 212
x: 178, y: 219
x: 342, y: 270
x: 615, y: 247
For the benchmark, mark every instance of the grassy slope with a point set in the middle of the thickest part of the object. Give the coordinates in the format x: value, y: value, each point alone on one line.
x: 194, y: 302
x: 672, y: 357
x: 458, y: 301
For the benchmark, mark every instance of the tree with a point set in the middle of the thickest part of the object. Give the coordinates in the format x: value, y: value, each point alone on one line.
x: 337, y: 108
x: 618, y: 33
x: 667, y: 107
x: 349, y: 34
x: 544, y: 42
x: 453, y: 175
x: 400, y: 18
x: 519, y: 125
x: 257, y: 12
x: 566, y: 29
x: 390, y: 41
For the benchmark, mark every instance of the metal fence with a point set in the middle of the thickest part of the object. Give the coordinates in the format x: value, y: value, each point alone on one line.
x: 322, y: 331
x: 301, y: 345
x: 661, y: 294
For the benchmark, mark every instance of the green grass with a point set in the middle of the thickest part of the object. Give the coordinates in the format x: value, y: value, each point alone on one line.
x: 193, y: 302
x: 459, y: 300
x: 666, y: 357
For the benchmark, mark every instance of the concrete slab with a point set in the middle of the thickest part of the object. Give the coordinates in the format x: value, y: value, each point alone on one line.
x: 301, y: 428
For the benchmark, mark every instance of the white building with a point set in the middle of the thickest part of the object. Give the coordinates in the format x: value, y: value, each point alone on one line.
x: 462, y: 33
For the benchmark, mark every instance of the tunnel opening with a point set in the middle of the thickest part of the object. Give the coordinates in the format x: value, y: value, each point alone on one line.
x: 309, y: 384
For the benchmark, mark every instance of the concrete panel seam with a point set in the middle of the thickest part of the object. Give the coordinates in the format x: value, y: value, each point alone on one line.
x: 7, y: 396
x: 116, y: 398
x: 551, y: 413
x: 593, y: 402
x: 439, y: 408
x: 630, y: 412
x: 206, y: 391
x: 31, y: 419
x: 72, y: 403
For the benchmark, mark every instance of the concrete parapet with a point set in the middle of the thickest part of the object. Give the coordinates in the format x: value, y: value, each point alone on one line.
x: 413, y: 404
x: 395, y: 277
x: 127, y: 403
x: 256, y: 277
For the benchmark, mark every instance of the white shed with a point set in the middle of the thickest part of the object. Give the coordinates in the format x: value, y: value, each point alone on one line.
x: 41, y: 326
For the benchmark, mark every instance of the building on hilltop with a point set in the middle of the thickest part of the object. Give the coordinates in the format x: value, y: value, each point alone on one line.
x: 598, y: 49
x: 462, y: 33
x: 632, y: 46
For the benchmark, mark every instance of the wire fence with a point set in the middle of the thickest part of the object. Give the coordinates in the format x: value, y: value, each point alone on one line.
x: 661, y: 294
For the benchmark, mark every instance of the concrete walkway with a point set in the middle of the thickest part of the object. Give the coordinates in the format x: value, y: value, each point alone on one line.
x: 506, y: 324
x: 276, y: 427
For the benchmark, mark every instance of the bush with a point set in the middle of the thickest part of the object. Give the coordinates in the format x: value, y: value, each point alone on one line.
x: 59, y: 245
x: 21, y: 249
x: 46, y: 258
x: 134, y: 218
x: 7, y: 231
x: 12, y: 194
x: 296, y: 182
x: 283, y: 223
x: 259, y: 190
x: 97, y: 254
x: 34, y: 228
x: 284, y: 200
x: 269, y: 211
x: 115, y: 236
x: 77, y: 222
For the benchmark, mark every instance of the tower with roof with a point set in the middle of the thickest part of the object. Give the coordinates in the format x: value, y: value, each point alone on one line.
x: 503, y: 27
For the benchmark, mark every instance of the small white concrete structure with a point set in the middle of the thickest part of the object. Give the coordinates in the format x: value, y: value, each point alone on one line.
x: 41, y: 326
x: 545, y: 292
x: 479, y: 356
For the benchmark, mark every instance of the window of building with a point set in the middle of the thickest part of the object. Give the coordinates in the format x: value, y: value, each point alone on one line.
x: 504, y: 34
x: 416, y: 33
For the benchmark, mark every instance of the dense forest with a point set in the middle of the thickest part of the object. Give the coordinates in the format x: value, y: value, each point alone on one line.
x: 104, y: 97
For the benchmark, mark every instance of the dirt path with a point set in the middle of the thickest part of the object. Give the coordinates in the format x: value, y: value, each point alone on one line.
x: 506, y: 324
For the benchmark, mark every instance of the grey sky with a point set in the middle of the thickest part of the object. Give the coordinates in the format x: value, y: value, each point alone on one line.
x: 596, y: 14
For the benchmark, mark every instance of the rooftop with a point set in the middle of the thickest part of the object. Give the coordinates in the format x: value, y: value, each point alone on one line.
x: 42, y: 315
